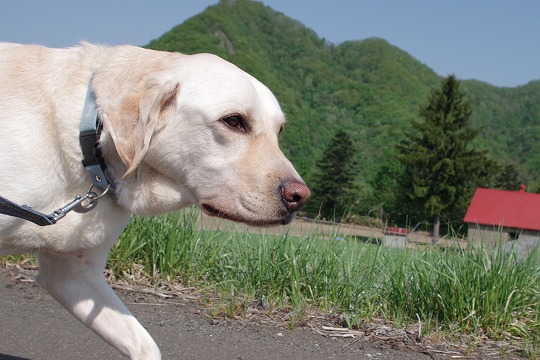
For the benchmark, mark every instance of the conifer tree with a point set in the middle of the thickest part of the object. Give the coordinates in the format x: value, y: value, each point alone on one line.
x: 442, y: 167
x: 334, y: 179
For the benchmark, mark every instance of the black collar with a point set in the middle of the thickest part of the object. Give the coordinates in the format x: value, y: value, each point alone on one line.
x: 90, y: 132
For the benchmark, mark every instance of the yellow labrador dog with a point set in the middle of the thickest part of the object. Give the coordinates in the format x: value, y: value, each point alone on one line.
x: 177, y: 130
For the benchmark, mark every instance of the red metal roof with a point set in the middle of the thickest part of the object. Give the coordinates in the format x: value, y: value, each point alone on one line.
x: 389, y: 230
x: 515, y: 209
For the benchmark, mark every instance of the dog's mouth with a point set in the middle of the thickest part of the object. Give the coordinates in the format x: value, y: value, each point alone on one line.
x: 285, y: 219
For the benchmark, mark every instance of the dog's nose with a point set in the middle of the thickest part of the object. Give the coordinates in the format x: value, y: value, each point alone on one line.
x: 294, y: 195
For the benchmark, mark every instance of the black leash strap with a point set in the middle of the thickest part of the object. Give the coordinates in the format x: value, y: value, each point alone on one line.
x: 25, y: 212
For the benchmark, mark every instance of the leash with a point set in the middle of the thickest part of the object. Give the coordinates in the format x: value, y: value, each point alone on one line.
x: 27, y: 213
x: 94, y: 164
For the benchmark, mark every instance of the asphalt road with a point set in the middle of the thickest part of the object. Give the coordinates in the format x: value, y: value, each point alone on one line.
x: 33, y: 326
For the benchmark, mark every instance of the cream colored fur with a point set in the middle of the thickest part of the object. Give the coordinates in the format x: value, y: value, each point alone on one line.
x: 168, y: 142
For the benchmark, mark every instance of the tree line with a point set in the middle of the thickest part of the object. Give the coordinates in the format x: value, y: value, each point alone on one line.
x: 429, y: 176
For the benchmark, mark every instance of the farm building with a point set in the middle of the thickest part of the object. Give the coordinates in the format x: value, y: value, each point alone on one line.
x: 395, y: 237
x: 501, y: 215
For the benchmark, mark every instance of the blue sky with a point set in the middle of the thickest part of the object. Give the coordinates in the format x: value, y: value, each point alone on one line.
x: 496, y: 41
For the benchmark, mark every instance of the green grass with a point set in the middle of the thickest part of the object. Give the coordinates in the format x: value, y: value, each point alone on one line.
x: 476, y: 291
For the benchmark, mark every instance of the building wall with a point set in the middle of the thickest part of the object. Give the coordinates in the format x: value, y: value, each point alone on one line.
x: 486, y: 234
x: 395, y: 241
x: 529, y: 234
x: 492, y: 235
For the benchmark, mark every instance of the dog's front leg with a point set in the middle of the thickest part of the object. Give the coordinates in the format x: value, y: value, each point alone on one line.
x: 77, y: 282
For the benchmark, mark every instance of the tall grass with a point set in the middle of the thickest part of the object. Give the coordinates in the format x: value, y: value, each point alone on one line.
x: 163, y: 245
x: 476, y: 290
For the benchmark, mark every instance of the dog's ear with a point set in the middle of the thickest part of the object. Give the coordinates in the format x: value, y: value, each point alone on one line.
x: 139, y: 117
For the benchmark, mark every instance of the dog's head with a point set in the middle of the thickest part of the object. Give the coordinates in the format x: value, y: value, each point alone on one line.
x: 202, y: 131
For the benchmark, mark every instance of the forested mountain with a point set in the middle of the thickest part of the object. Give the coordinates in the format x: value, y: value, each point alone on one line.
x: 368, y: 88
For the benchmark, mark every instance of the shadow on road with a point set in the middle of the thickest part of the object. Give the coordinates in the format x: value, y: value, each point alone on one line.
x: 9, y: 357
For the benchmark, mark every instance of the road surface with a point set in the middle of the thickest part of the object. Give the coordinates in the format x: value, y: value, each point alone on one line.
x: 33, y: 326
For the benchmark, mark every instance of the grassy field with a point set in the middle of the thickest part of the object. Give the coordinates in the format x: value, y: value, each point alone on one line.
x: 449, y: 291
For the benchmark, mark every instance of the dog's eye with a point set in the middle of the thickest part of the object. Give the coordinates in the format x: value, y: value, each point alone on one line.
x: 235, y: 121
x: 281, y: 129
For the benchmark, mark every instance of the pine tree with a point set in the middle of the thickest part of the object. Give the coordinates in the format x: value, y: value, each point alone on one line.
x: 442, y: 168
x: 334, y: 179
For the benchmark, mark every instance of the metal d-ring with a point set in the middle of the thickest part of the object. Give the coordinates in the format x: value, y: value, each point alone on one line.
x: 92, y: 197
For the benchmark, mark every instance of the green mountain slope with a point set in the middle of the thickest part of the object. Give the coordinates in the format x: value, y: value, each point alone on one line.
x: 369, y: 88
x: 511, y: 124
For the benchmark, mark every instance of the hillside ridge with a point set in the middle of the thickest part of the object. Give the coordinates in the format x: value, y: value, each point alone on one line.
x: 370, y: 88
